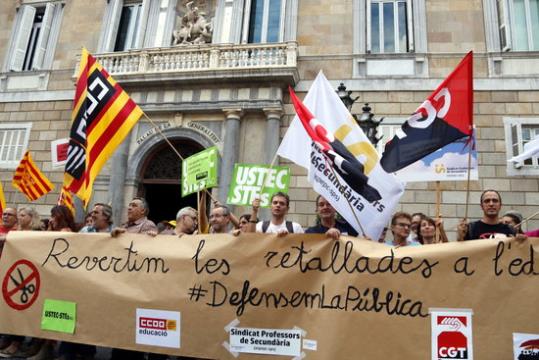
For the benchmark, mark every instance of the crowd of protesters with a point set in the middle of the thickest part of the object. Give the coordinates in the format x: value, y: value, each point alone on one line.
x: 406, y: 229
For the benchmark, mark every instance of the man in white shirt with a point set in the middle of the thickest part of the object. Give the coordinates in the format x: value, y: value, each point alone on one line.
x: 278, y: 224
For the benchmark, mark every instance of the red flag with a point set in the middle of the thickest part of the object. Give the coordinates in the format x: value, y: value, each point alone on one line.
x: 341, y: 159
x: 2, y: 200
x: 30, y: 180
x: 102, y: 116
x: 446, y: 116
x: 65, y: 198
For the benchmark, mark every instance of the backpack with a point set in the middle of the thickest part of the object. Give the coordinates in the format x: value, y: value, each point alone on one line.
x: 289, y: 226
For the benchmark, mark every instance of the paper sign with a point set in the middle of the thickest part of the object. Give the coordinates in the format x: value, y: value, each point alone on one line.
x: 449, y: 163
x: 451, y: 334
x: 59, y: 315
x: 265, y: 341
x: 309, y: 344
x: 158, y: 328
x: 59, y: 152
x: 199, y: 171
x: 525, y: 346
x: 247, y: 182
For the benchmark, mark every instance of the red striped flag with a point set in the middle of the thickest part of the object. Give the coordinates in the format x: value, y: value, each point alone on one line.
x: 66, y: 198
x: 2, y: 200
x: 30, y: 180
x: 102, y: 116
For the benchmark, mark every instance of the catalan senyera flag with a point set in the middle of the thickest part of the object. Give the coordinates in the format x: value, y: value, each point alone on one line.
x: 2, y: 200
x: 65, y: 198
x: 102, y: 116
x: 30, y: 180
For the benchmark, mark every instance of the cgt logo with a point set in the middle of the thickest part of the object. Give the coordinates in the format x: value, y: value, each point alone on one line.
x: 452, y: 352
x: 157, y: 324
x: 452, y: 345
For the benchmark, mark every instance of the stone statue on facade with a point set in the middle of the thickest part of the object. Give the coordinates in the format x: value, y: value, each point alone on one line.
x: 194, y: 28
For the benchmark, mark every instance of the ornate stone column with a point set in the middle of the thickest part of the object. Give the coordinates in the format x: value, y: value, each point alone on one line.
x: 117, y: 179
x: 273, y: 126
x: 231, y: 148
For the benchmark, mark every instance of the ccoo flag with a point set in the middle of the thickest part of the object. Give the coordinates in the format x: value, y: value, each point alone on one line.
x: 342, y: 164
x: 30, y: 180
x: 102, y: 116
x: 447, y: 115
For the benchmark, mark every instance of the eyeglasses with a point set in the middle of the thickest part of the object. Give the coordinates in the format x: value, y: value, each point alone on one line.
x: 404, y: 225
x: 243, y: 222
x: 9, y: 214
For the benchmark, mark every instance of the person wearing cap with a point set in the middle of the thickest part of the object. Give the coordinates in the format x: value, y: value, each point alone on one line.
x: 166, y: 227
x: 514, y: 220
x: 489, y: 225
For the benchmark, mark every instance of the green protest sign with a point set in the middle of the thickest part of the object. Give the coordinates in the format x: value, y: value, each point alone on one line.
x: 199, y: 171
x: 247, y: 180
x: 59, y: 315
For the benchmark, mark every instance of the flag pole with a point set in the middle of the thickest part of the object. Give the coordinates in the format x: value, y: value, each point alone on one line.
x: 468, y: 179
x: 264, y: 175
x: 438, y: 215
x: 348, y: 202
x: 528, y: 218
x: 173, y: 148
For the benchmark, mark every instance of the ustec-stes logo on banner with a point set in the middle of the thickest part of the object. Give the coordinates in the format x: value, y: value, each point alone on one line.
x: 158, y: 328
x: 451, y: 334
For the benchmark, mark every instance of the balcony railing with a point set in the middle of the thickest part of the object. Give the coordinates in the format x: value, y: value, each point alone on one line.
x: 208, y: 57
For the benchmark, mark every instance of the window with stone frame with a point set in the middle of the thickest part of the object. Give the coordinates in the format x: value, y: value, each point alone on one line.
x: 136, y: 24
x: 266, y: 21
x: 13, y: 143
x: 34, y: 37
x: 518, y: 24
x: 387, y: 26
x: 389, y: 38
x: 255, y: 21
x: 518, y: 131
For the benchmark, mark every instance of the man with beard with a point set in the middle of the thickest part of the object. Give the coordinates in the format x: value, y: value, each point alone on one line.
x: 489, y: 225
x: 280, y: 203
x: 328, y: 224
x: 219, y: 219
x: 101, y: 219
x: 186, y: 221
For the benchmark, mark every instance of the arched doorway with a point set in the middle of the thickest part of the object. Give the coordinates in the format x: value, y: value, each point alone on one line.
x: 160, y: 182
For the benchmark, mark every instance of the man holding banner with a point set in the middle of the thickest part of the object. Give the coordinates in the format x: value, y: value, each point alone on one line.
x: 328, y: 223
x: 280, y: 204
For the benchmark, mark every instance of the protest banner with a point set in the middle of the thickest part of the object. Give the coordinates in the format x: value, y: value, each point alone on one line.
x: 257, y: 295
x: 199, y: 171
x: 449, y: 163
x: 248, y: 180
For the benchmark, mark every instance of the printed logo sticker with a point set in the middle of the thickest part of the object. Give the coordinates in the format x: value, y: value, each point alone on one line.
x: 20, y: 287
x: 451, y: 334
x: 526, y: 346
x: 59, y: 315
x: 158, y: 328
x: 266, y: 341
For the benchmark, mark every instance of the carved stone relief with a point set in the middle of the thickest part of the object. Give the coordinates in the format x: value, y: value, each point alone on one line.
x: 194, y: 23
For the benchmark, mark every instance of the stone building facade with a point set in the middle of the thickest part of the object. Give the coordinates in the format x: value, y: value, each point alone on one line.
x: 230, y: 91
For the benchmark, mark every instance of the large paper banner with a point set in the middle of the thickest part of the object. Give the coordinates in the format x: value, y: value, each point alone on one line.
x: 249, y: 180
x: 199, y: 171
x: 449, y: 163
x: 256, y: 295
